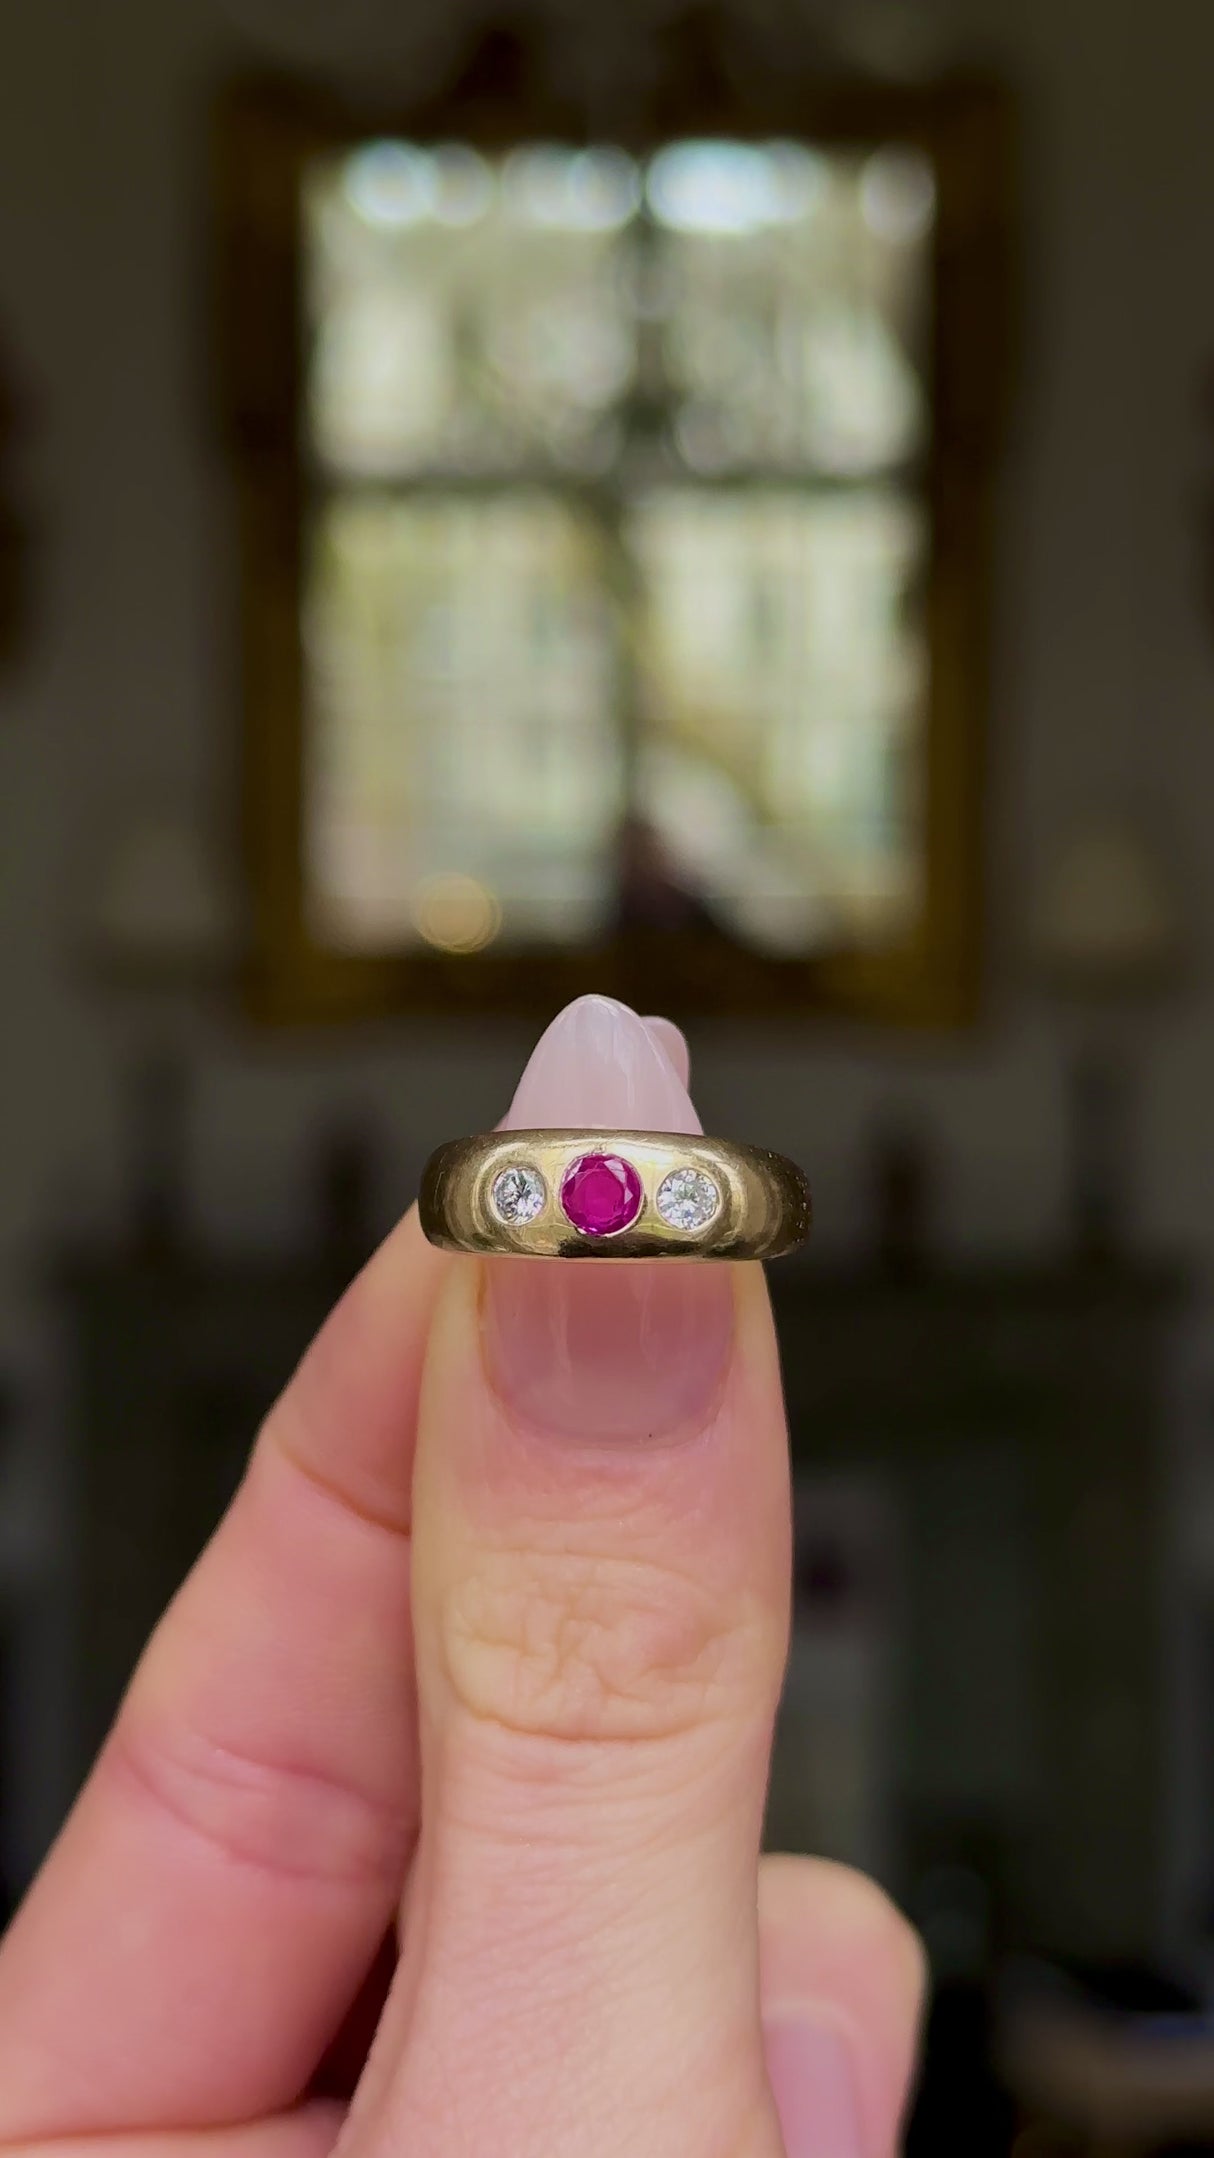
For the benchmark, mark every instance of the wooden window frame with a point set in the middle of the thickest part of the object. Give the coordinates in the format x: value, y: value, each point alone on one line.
x: 266, y: 134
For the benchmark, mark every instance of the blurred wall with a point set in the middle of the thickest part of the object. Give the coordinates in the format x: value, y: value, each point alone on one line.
x: 1104, y: 686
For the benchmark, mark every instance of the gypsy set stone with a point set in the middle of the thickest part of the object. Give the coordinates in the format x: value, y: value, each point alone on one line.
x: 601, y: 1194
x: 518, y: 1194
x: 688, y: 1199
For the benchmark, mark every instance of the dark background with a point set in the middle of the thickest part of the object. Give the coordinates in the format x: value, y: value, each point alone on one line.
x: 121, y: 700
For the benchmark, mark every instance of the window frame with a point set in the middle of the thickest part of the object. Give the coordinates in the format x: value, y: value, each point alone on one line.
x: 266, y: 133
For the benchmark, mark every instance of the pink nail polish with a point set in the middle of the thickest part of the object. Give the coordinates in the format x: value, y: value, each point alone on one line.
x: 673, y: 1041
x: 605, y: 1350
x: 809, y: 2067
x: 598, y: 1064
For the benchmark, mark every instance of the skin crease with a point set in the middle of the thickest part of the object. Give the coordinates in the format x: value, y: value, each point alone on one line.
x: 495, y: 1659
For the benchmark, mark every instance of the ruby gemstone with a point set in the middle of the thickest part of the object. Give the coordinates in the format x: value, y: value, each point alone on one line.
x: 601, y: 1194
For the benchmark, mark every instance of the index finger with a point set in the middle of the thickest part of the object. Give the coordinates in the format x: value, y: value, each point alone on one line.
x: 232, y: 1865
x: 236, y: 1856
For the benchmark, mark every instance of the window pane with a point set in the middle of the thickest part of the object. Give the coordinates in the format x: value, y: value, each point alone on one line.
x: 558, y: 391
x: 783, y: 728
x: 464, y: 774
x: 720, y: 305
x: 794, y: 301
x: 466, y: 312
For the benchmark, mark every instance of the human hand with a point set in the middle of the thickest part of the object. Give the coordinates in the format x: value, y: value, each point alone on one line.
x: 485, y: 1655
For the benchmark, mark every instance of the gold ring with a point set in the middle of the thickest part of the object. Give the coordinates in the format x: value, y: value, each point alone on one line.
x: 613, y: 1195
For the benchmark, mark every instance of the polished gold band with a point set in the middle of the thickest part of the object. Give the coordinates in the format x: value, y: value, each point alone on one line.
x: 613, y: 1195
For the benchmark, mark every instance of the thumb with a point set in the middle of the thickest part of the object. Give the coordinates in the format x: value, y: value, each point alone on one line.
x: 601, y: 1558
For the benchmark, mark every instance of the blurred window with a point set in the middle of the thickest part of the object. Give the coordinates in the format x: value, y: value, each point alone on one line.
x: 617, y: 540
x: 615, y: 526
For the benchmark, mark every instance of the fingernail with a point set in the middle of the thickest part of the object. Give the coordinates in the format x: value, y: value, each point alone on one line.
x: 809, y: 2067
x: 605, y: 1349
x: 673, y: 1041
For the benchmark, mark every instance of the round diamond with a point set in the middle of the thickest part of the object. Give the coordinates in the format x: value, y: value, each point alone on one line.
x: 518, y: 1194
x: 601, y: 1194
x: 688, y: 1199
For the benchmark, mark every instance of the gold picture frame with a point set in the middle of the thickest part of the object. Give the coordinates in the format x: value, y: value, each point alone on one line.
x: 266, y: 134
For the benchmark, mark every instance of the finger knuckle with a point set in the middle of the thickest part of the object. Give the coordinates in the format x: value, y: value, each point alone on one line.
x: 257, y: 1812
x: 581, y: 1647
